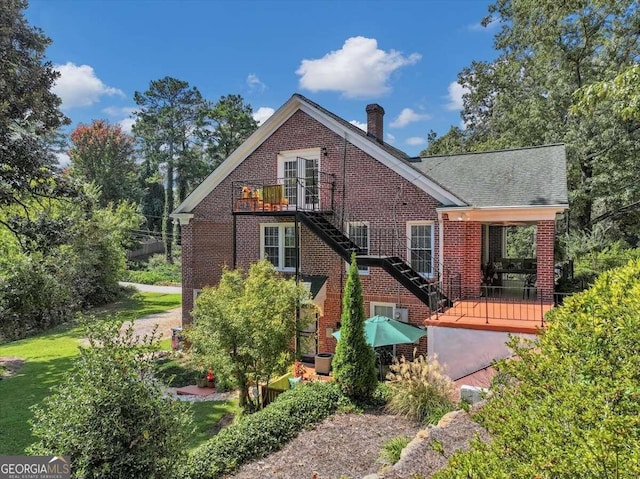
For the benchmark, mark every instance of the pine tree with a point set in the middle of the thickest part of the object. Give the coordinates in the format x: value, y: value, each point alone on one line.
x: 354, y: 366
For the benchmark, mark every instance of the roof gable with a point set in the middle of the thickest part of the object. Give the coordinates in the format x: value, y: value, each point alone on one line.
x: 388, y: 155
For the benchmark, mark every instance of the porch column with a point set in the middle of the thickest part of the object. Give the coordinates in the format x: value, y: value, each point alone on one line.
x: 461, y: 254
x: 545, y: 236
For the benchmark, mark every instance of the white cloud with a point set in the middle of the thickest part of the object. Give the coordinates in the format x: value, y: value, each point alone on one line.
x: 358, y: 69
x: 254, y: 83
x: 127, y: 125
x: 359, y: 124
x: 415, y: 141
x: 390, y: 138
x: 119, y: 110
x: 456, y: 91
x: 79, y: 86
x: 406, y: 116
x: 263, y: 113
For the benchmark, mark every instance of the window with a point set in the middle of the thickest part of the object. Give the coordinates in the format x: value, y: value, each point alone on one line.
x: 420, y: 247
x: 383, y: 309
x: 278, y: 245
x: 358, y: 232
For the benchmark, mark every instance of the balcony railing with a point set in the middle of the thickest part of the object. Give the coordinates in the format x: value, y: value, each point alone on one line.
x: 313, y: 193
x: 500, y: 305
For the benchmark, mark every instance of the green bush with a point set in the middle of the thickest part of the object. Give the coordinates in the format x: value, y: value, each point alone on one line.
x: 392, y: 449
x: 419, y: 390
x: 571, y: 404
x: 264, y: 432
x: 110, y: 415
x: 155, y: 271
x: 32, y: 297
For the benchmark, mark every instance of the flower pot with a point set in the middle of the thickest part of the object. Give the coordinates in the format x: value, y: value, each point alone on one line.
x: 322, y: 363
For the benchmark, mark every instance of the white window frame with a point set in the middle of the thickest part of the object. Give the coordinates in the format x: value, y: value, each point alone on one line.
x: 281, y: 247
x: 290, y: 155
x: 422, y: 223
x: 362, y: 271
x: 373, y: 304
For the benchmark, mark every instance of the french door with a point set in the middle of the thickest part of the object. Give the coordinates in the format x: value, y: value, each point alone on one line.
x: 301, y: 186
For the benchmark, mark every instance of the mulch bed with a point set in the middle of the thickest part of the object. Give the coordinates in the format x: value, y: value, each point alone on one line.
x: 342, y: 445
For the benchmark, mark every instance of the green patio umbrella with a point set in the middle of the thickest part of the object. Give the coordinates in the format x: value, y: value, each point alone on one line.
x: 383, y: 331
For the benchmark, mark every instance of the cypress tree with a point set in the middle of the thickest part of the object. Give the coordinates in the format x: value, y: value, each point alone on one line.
x: 354, y: 366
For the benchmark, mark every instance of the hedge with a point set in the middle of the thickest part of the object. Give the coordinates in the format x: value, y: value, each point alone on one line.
x: 264, y: 432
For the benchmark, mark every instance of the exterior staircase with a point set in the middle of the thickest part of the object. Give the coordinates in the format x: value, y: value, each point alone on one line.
x: 427, y: 290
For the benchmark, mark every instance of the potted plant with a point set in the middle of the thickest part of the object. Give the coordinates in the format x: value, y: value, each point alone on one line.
x: 211, y: 379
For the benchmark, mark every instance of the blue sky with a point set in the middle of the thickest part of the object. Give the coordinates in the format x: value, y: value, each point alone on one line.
x: 404, y: 55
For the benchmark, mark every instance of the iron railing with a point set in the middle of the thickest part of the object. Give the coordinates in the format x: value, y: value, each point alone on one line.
x: 496, y: 304
x: 314, y: 193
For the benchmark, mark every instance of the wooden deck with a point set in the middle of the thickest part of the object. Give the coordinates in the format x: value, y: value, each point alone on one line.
x: 493, y: 315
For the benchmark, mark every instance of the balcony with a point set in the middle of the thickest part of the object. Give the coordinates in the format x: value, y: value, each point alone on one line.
x: 284, y: 195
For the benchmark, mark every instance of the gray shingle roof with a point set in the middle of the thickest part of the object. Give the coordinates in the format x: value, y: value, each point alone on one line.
x: 519, y: 177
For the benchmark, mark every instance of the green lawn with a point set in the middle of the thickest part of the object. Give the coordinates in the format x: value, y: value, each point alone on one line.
x: 206, y: 415
x: 47, y: 358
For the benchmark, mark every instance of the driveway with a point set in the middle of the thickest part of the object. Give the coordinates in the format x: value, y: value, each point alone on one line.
x: 150, y: 288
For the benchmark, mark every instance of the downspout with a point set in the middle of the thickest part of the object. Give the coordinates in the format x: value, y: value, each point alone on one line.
x: 344, y: 195
x: 440, y: 246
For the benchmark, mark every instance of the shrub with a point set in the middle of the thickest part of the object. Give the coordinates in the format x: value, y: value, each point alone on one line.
x: 264, y: 432
x: 155, y: 271
x: 392, y: 449
x: 419, y: 390
x: 354, y: 367
x: 109, y: 414
x: 572, y: 406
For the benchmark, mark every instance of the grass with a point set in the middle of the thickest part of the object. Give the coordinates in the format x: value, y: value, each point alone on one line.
x: 392, y: 449
x: 206, y: 415
x: 48, y: 356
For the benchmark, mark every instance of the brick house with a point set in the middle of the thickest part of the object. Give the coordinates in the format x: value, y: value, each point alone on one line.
x: 308, y: 188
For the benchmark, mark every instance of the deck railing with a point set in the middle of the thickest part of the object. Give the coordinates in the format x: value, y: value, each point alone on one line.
x: 493, y: 304
x: 313, y: 193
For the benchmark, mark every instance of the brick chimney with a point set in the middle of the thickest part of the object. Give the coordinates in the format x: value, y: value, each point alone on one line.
x: 375, y: 126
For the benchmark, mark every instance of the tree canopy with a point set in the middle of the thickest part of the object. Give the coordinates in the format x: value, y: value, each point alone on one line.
x: 548, y: 51
x: 104, y: 155
x: 30, y: 114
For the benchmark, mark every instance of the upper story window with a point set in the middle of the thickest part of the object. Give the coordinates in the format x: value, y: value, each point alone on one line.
x: 358, y: 232
x: 420, y: 246
x: 278, y: 245
x: 298, y: 171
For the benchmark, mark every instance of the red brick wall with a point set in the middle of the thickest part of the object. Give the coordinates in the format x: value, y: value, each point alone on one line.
x: 373, y: 193
x: 462, y: 252
x: 545, y: 235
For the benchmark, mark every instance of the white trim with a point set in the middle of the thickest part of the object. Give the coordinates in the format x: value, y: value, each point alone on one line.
x: 366, y: 270
x: 503, y: 213
x: 372, y: 305
x: 408, y: 232
x: 290, y: 155
x: 281, y: 227
x: 183, y: 218
x: 276, y: 120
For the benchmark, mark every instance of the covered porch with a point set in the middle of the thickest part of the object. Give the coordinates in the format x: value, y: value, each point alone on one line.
x: 506, y: 282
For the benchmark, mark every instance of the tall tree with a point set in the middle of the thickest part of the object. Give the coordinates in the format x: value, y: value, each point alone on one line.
x: 103, y: 154
x: 168, y: 117
x: 547, y: 51
x: 232, y: 121
x: 354, y: 365
x: 29, y: 112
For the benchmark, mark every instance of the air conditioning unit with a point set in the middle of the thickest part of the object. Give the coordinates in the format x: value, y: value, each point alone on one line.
x: 402, y: 314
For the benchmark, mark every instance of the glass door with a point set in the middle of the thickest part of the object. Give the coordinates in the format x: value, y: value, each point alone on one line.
x: 308, y: 334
